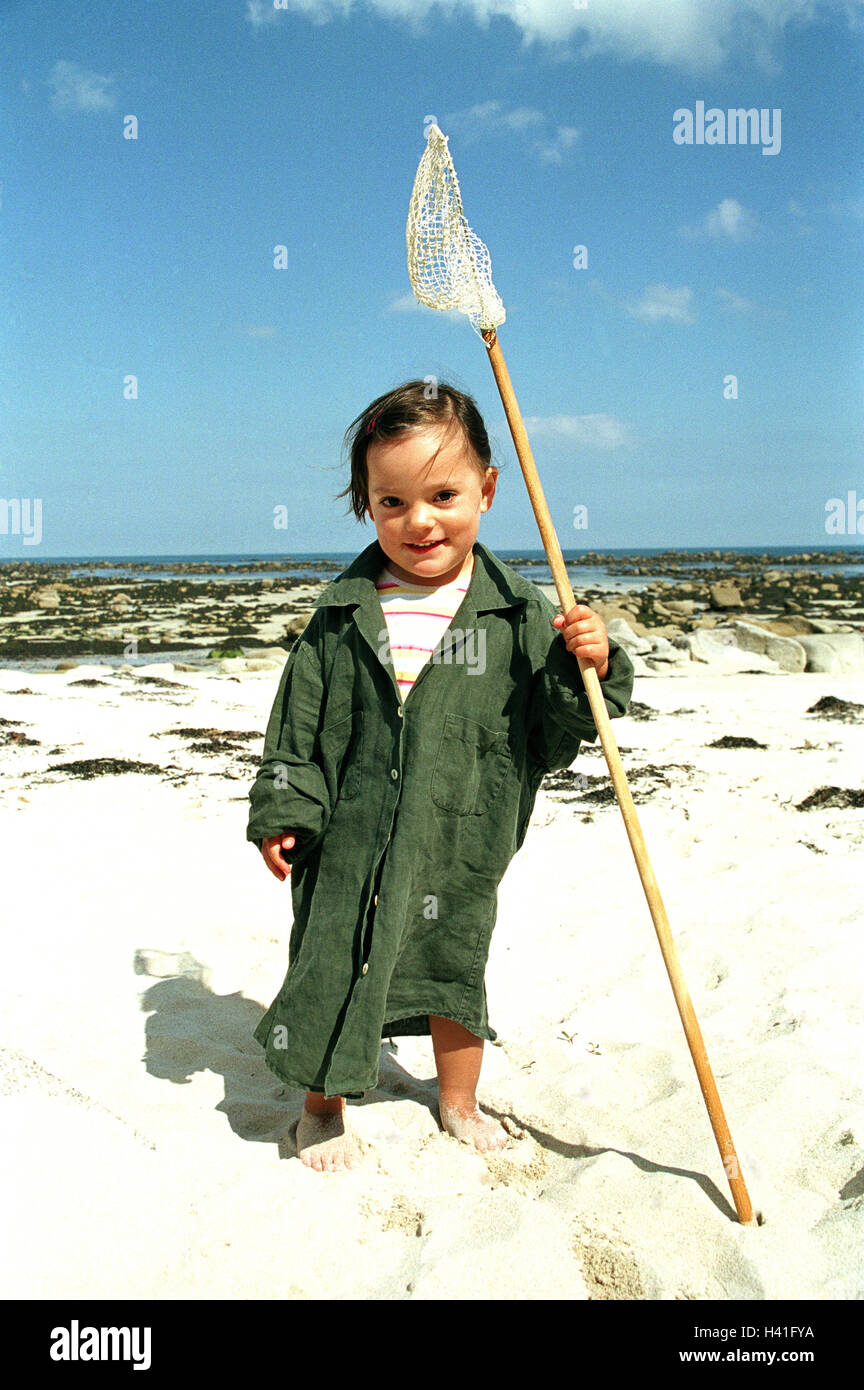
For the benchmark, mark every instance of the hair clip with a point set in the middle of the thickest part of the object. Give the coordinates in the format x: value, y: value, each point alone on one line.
x: 370, y: 427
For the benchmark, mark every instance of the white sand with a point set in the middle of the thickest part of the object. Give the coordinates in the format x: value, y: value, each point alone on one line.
x: 148, y: 1152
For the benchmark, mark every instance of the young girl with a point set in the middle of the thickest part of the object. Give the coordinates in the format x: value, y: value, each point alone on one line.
x: 415, y: 719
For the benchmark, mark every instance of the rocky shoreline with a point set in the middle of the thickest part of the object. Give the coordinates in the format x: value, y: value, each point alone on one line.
x: 752, y: 611
x: 49, y: 610
x: 743, y: 613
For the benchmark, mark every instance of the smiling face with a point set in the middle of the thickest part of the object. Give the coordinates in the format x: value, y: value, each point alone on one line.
x: 426, y: 496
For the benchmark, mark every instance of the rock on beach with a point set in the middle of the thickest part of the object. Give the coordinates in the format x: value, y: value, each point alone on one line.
x: 834, y: 653
x: 786, y: 652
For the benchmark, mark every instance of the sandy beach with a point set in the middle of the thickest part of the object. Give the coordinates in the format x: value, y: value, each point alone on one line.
x: 149, y: 1153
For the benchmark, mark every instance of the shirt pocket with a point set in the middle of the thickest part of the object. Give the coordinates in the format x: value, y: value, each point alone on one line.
x: 342, y: 755
x: 470, y: 768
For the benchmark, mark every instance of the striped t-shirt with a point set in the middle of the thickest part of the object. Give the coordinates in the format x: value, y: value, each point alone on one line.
x: 417, y: 616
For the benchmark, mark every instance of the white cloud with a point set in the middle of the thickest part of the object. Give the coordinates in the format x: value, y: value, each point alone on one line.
x: 492, y: 116
x: 409, y: 304
x: 849, y: 207
x: 74, y: 89
x: 549, y: 142
x: 404, y: 304
x: 729, y: 219
x: 803, y: 224
x: 261, y: 12
x: 735, y: 303
x: 695, y: 35
x: 552, y: 151
x: 592, y: 431
x: 662, y: 302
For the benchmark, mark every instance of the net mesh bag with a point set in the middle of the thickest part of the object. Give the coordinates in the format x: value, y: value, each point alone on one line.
x: 448, y: 264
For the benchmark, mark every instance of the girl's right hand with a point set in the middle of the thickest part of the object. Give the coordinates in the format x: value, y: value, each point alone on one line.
x: 271, y: 847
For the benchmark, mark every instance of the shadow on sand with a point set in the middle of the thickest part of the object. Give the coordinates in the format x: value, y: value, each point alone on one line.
x: 190, y: 1029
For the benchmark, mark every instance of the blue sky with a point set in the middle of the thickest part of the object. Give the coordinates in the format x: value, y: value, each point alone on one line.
x: 303, y: 127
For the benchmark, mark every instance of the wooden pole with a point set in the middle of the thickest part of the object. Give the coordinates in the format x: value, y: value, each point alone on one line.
x: 692, y: 1030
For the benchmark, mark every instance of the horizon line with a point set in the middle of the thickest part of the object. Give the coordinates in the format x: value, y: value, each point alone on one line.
x: 333, y: 554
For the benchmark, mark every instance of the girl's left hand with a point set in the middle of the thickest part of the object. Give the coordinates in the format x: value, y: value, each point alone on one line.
x: 584, y: 633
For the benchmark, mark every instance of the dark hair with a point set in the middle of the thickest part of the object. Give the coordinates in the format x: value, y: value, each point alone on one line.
x: 414, y: 405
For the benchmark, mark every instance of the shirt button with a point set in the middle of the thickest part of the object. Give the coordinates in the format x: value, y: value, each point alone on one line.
x: 399, y: 711
x: 375, y: 900
x: 365, y: 969
x: 394, y: 774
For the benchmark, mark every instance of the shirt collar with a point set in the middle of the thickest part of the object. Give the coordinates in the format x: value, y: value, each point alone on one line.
x: 493, y: 585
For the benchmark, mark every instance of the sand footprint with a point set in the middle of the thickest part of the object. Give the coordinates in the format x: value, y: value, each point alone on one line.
x: 609, y: 1267
x: 521, y: 1165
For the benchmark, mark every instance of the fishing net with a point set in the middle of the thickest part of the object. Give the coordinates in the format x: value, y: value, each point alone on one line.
x: 448, y: 264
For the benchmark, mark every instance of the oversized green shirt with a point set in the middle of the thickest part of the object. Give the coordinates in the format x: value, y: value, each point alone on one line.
x: 407, y: 815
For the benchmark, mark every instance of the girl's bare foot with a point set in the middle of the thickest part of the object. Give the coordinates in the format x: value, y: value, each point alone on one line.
x: 468, y: 1122
x: 323, y: 1142
x: 458, y: 1055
